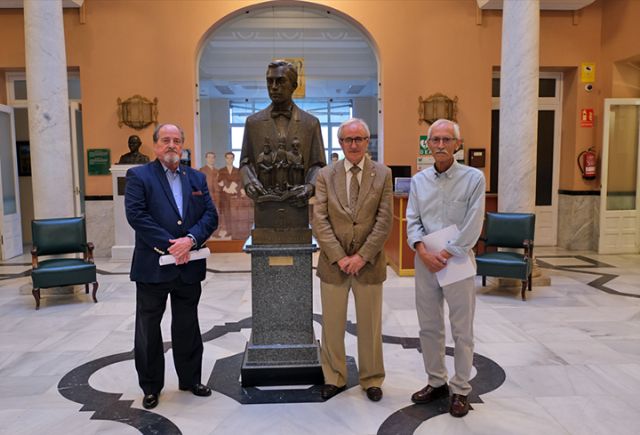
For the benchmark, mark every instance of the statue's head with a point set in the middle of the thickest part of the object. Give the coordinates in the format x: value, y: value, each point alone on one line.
x: 134, y: 143
x: 282, y: 81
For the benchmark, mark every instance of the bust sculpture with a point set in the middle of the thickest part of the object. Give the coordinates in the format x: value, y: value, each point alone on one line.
x: 134, y: 156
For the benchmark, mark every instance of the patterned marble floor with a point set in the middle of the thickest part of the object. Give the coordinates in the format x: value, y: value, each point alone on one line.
x: 567, y: 361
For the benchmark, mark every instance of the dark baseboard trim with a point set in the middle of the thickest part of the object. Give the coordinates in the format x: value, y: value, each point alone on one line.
x: 98, y: 198
x: 579, y: 192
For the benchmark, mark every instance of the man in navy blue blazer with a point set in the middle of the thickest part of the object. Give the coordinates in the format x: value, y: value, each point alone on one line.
x: 169, y: 207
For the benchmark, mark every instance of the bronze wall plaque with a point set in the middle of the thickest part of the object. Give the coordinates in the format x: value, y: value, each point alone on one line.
x: 137, y: 112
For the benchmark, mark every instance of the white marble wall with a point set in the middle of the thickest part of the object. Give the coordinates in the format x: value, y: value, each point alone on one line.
x: 578, y: 222
x: 519, y: 73
x: 100, y: 226
x: 49, y: 134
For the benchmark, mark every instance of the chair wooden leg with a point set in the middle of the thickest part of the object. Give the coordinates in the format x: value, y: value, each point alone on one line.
x: 524, y: 287
x: 529, y: 282
x: 484, y: 280
x: 95, y: 289
x: 36, y: 295
x: 86, y: 289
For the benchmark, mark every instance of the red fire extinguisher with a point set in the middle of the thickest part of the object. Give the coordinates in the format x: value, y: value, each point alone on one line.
x: 587, y: 164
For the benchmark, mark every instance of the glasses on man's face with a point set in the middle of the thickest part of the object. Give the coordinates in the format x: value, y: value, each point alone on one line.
x: 445, y: 140
x: 349, y: 140
x: 168, y: 140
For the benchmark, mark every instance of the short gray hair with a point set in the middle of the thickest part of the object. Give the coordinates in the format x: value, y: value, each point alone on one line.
x: 455, y: 126
x: 353, y: 121
x: 156, y: 132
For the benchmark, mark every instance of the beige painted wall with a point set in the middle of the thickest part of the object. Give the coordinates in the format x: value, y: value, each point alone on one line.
x: 129, y: 47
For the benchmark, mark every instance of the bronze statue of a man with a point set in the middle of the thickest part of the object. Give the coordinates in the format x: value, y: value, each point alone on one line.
x: 134, y: 156
x: 282, y: 121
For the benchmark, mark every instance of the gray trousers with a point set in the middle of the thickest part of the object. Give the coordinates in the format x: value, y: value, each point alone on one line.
x: 461, y: 300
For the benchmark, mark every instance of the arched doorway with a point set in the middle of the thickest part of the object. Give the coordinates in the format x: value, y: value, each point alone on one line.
x: 338, y: 80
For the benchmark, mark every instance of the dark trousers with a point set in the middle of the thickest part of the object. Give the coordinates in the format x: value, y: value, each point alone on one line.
x: 151, y: 301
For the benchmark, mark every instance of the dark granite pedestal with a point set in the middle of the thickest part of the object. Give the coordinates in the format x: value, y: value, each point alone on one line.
x: 282, y: 349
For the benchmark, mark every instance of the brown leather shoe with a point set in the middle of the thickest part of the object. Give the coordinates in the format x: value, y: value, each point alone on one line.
x: 429, y: 394
x: 374, y: 394
x: 328, y: 391
x: 459, y: 405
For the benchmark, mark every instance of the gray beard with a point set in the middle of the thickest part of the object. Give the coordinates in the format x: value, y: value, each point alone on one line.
x: 171, y: 159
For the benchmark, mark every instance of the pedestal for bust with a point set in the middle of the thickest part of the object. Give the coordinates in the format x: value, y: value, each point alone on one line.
x: 125, y: 240
x: 282, y: 349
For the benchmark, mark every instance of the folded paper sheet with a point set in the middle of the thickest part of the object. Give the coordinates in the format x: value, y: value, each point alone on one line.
x: 457, y: 268
x: 193, y: 255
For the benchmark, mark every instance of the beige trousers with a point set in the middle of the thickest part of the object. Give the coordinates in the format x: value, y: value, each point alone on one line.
x: 368, y: 300
x: 461, y: 299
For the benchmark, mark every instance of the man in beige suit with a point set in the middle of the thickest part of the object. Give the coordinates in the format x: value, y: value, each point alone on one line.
x: 352, y: 220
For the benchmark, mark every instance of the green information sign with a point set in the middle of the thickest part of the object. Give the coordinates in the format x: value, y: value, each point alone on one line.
x: 424, y: 149
x: 98, y: 161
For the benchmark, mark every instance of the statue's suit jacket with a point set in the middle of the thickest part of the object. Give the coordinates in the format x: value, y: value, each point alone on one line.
x: 302, y: 125
x: 340, y: 234
x: 152, y: 212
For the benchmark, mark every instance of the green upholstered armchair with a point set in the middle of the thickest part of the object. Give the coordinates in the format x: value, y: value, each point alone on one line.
x: 61, y: 236
x: 508, y: 230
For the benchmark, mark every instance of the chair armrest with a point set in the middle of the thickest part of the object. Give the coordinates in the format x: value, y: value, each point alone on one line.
x: 528, y: 248
x: 476, y: 248
x: 89, y: 253
x: 34, y: 257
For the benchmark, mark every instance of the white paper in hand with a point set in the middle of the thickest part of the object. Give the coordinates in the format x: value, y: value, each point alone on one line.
x: 193, y: 255
x: 457, y: 268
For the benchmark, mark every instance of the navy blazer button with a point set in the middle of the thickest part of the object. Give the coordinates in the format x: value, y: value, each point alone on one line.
x: 179, y: 222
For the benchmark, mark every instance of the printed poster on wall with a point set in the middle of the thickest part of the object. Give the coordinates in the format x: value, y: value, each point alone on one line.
x: 424, y: 162
x: 298, y: 62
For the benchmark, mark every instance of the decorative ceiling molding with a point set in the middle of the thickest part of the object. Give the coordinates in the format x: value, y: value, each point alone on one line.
x: 551, y: 5
x: 339, y: 61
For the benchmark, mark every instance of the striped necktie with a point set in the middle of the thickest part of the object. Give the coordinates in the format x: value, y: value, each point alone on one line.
x: 354, y: 189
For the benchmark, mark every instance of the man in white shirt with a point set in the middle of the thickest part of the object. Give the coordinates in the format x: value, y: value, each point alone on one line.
x: 445, y: 194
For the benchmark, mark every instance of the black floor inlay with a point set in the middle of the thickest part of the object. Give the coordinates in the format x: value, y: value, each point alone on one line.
x: 598, y: 283
x: 225, y: 378
x: 108, y: 406
x: 489, y: 376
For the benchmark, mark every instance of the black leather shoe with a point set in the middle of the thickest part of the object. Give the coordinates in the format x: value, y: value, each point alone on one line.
x: 374, y: 394
x: 459, y: 405
x: 429, y: 394
x: 150, y: 401
x: 197, y: 389
x: 328, y: 391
